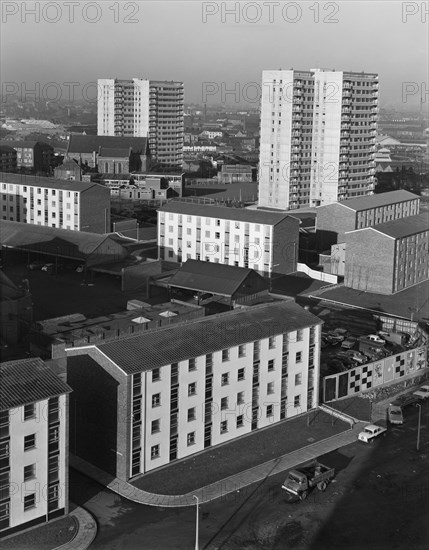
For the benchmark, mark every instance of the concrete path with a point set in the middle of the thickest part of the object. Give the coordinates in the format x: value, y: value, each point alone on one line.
x: 224, y: 486
x: 86, y: 530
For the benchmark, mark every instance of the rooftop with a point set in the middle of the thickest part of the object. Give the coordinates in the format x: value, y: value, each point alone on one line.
x: 381, y: 199
x: 28, y: 381
x: 88, y: 144
x: 202, y: 336
x: 122, y: 152
x: 45, y: 182
x: 403, y: 227
x: 224, y: 213
x: 25, y: 144
x: 51, y: 240
x: 220, y: 279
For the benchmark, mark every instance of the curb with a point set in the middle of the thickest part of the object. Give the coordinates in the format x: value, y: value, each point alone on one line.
x: 86, y: 530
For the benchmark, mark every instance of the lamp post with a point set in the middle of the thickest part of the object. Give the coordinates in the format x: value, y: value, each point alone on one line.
x: 419, y: 425
x: 196, y: 522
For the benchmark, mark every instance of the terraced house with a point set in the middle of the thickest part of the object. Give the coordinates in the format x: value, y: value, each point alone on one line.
x: 33, y: 445
x: 145, y: 401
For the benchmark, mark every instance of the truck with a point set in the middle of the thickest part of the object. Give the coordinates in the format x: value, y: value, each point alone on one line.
x: 301, y: 481
x: 399, y: 338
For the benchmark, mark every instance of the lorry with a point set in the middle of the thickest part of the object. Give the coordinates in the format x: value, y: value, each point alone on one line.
x: 301, y: 481
x: 399, y: 338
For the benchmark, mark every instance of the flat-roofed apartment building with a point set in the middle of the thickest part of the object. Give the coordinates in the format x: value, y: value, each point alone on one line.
x: 257, y: 239
x: 73, y: 205
x: 175, y: 391
x: 334, y: 220
x: 318, y: 131
x: 388, y: 257
x: 33, y: 445
x: 145, y: 108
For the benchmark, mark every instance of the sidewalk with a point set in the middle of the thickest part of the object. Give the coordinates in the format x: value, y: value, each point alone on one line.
x: 224, y: 486
x: 86, y: 533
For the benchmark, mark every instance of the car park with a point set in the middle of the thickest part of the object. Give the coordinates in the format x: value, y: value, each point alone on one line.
x: 357, y: 356
x: 349, y: 342
x: 423, y: 392
x: 376, y: 338
x: 370, y: 432
x: 405, y: 399
x: 394, y: 414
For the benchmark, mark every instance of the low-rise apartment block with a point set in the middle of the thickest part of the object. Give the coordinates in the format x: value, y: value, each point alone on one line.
x: 8, y: 159
x: 388, y: 257
x: 33, y: 445
x: 334, y: 220
x: 71, y: 205
x: 261, y: 240
x: 32, y: 155
x: 175, y: 391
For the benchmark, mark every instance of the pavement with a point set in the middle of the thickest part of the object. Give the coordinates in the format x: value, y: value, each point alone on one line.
x: 222, y: 487
x: 86, y: 531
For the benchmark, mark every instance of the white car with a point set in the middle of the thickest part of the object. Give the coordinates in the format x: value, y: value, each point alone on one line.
x: 376, y: 338
x: 370, y: 432
x: 422, y: 392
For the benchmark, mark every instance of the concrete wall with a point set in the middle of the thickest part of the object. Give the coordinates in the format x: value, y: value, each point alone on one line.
x: 332, y: 221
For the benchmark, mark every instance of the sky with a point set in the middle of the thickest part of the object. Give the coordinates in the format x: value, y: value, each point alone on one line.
x: 219, y: 55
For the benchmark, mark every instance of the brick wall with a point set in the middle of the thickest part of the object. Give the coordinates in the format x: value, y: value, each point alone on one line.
x: 332, y: 221
x: 285, y: 245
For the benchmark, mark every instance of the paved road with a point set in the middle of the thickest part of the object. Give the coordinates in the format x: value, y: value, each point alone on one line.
x: 379, y: 501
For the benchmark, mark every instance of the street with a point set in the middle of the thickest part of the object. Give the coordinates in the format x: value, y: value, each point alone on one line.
x: 378, y: 500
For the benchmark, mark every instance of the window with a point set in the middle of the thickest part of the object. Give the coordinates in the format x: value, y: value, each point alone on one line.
x: 156, y: 400
x: 154, y: 452
x: 190, y: 438
x: 297, y: 401
x: 29, y: 411
x: 155, y: 428
x: 156, y: 375
x: 29, y: 442
x: 241, y: 350
x: 299, y: 335
x: 225, y: 355
x: 225, y: 379
x: 240, y: 374
x: 217, y: 235
x: 192, y: 365
x: 240, y: 398
x: 29, y: 501
x: 298, y: 357
x: 224, y: 427
x: 223, y: 403
x: 270, y: 365
x: 240, y: 421
x: 192, y: 388
x: 298, y: 379
x: 270, y: 388
x: 271, y: 342
x: 191, y: 414
x: 270, y: 410
x: 29, y: 472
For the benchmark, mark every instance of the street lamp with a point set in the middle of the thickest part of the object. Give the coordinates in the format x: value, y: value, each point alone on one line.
x: 419, y: 425
x: 196, y: 522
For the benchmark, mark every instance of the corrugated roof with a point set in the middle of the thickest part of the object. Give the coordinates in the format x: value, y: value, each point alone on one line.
x: 220, y: 279
x: 51, y: 240
x: 224, y: 213
x: 50, y: 183
x: 381, y: 199
x: 404, y: 227
x: 28, y: 381
x: 184, y: 341
x: 89, y: 144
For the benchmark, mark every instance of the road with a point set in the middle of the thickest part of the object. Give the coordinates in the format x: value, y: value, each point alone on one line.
x: 378, y: 501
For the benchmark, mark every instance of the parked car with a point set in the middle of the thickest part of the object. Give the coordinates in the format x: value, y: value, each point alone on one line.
x: 334, y: 339
x: 357, y: 356
x: 376, y: 338
x: 80, y: 269
x: 394, y: 414
x: 405, y: 400
x: 48, y: 267
x: 36, y: 266
x: 422, y: 392
x: 349, y: 342
x: 344, y: 358
x: 370, y: 432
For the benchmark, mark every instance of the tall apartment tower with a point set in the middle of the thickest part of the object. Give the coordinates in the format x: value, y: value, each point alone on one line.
x: 318, y: 131
x: 144, y: 108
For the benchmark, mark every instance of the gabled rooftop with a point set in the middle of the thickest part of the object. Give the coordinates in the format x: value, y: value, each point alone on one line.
x: 214, y: 333
x: 50, y: 183
x: 374, y: 201
x: 89, y: 144
x: 404, y: 227
x: 28, y: 381
x: 224, y: 213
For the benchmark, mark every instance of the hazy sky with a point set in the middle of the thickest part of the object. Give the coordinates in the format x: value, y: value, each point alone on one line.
x: 176, y: 41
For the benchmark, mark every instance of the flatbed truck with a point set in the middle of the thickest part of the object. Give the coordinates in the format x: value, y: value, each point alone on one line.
x: 301, y: 481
